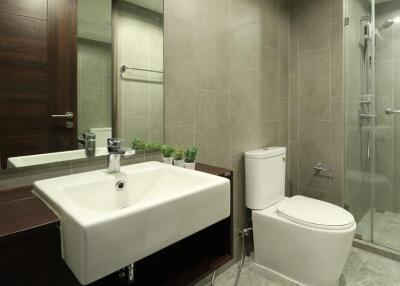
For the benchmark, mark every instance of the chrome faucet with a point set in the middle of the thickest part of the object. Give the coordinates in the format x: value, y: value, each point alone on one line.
x: 114, y: 154
x: 88, y: 141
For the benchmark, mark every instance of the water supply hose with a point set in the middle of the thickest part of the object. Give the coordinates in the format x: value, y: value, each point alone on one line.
x: 243, y: 233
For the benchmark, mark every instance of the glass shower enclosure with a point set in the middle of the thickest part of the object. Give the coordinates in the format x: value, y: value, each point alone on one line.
x: 372, y: 119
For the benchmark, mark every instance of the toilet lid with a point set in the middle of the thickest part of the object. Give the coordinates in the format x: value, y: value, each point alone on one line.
x: 315, y: 213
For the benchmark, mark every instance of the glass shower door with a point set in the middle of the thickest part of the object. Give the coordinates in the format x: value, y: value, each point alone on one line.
x: 359, y: 123
x: 387, y: 130
x: 372, y: 119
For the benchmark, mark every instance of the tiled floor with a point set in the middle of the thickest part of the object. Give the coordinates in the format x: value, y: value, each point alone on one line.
x: 362, y: 269
x: 386, y: 228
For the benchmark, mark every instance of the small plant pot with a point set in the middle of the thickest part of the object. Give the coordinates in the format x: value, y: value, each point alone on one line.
x: 191, y: 165
x: 167, y: 160
x: 179, y: 163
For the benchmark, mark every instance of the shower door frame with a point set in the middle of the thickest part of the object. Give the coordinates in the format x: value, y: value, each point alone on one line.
x: 371, y: 123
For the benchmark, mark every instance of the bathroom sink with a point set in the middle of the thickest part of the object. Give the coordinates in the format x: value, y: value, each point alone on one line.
x: 31, y: 160
x: 111, y: 220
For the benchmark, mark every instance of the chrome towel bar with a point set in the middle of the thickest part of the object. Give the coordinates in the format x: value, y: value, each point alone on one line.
x: 124, y: 68
x: 389, y: 111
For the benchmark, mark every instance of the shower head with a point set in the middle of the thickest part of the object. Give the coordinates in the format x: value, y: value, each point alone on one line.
x: 387, y: 24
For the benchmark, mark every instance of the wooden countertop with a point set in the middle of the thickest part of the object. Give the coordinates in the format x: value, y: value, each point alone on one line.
x: 213, y: 170
x: 21, y: 212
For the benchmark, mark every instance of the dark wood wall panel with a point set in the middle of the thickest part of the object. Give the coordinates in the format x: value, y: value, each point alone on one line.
x: 23, y: 100
x: 24, y: 124
x: 23, y: 39
x: 28, y: 8
x: 38, y: 62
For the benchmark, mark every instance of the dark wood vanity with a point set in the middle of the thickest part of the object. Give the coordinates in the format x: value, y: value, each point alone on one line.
x: 30, y: 247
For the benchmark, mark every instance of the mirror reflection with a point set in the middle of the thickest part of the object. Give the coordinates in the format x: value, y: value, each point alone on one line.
x: 117, y: 90
x: 94, y: 74
x: 139, y: 50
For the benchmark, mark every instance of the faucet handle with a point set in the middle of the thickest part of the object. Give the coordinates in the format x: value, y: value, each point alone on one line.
x: 114, y: 146
x: 114, y: 142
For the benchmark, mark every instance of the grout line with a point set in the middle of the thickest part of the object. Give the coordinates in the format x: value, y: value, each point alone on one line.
x: 194, y: 97
x: 179, y: 126
x: 269, y: 47
x: 331, y: 185
x: 244, y: 68
x: 298, y: 96
x: 289, y: 131
x: 278, y: 87
x: 211, y: 90
x: 258, y: 67
x: 314, y: 50
x: 229, y: 82
x: 393, y: 118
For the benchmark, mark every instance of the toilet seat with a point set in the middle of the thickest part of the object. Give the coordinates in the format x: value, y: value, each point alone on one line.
x: 315, y: 213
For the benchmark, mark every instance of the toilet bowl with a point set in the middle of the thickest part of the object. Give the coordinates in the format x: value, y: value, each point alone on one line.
x: 300, y: 238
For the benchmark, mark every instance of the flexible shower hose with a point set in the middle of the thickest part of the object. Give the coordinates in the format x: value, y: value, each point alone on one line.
x: 243, y: 234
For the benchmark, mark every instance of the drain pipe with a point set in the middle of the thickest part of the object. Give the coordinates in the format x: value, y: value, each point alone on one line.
x: 126, y: 274
x: 243, y: 234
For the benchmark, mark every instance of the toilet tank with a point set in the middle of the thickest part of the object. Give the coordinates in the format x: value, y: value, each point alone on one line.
x: 102, y: 134
x: 265, y: 177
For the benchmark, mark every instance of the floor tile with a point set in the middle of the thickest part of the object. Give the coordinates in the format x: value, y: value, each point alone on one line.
x: 362, y: 269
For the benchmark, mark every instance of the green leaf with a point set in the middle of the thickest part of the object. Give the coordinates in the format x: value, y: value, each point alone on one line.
x: 190, y: 154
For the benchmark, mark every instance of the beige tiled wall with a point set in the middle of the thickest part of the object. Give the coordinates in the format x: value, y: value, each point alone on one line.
x: 227, y: 81
x: 316, y: 97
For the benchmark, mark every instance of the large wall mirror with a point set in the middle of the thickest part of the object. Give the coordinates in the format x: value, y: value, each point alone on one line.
x: 116, y: 87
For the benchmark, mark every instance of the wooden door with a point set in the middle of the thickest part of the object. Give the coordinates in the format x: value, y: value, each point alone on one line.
x: 63, y: 41
x: 37, y: 76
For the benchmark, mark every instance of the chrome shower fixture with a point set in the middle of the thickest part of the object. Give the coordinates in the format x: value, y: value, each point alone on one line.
x: 387, y: 24
x: 366, y: 31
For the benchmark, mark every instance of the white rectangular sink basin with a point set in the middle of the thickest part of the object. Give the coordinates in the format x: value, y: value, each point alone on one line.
x: 31, y: 160
x: 104, y: 229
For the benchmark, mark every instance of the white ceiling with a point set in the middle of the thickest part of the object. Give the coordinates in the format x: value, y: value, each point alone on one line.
x: 381, y: 1
x: 94, y: 20
x: 154, y: 5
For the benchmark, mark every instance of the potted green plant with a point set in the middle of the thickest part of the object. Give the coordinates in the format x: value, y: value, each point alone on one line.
x: 168, y: 152
x: 190, y: 157
x: 178, y: 156
x: 138, y: 144
x: 153, y: 146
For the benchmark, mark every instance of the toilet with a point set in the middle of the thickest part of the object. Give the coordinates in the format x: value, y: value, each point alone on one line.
x: 102, y: 134
x: 302, y: 239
